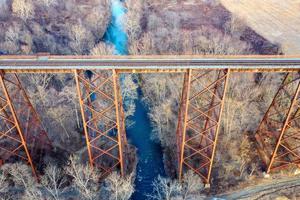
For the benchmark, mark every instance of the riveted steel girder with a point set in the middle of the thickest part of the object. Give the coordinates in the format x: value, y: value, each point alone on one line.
x: 199, y: 120
x: 22, y: 135
x: 103, y: 118
x: 278, y: 134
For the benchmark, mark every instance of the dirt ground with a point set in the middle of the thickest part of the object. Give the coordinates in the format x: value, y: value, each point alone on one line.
x: 268, y: 189
x: 276, y: 20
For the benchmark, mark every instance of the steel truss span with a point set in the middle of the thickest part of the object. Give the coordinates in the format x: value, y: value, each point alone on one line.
x: 199, y: 116
x: 278, y: 134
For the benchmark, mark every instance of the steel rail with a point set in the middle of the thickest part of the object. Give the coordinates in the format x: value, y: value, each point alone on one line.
x: 155, y: 64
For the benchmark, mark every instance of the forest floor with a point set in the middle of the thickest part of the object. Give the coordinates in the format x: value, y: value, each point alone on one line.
x: 193, y: 14
x: 185, y: 15
x: 277, y: 21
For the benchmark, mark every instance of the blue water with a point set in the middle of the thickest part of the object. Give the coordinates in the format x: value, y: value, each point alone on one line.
x: 150, y: 156
x: 150, y: 162
x: 115, y: 34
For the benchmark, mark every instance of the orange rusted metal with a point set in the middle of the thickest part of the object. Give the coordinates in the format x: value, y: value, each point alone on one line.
x: 145, y: 70
x: 199, y: 120
x: 101, y: 110
x: 12, y: 139
x: 278, y: 134
x: 199, y: 116
x: 35, y: 136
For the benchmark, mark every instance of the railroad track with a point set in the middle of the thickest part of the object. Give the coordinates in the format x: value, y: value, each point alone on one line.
x: 176, y: 63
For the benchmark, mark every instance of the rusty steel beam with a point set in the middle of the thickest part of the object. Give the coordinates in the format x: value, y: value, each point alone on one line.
x: 66, y: 71
x: 37, y: 140
x: 182, y: 119
x: 12, y: 139
x: 199, y: 120
x: 278, y: 134
x: 145, y: 71
x: 103, y: 118
x: 38, y: 71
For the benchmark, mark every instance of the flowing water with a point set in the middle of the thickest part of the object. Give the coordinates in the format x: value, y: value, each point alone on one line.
x: 150, y: 156
x: 115, y: 33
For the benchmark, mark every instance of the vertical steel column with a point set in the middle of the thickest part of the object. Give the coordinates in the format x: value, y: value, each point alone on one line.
x: 119, y: 121
x: 101, y: 109
x: 278, y: 134
x: 199, y: 120
x: 12, y: 139
x: 182, y: 119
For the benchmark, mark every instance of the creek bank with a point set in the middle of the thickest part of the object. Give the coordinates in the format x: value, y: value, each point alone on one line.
x: 149, y: 153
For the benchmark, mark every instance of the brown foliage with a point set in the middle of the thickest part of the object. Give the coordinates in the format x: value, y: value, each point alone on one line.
x: 102, y: 49
x: 64, y: 27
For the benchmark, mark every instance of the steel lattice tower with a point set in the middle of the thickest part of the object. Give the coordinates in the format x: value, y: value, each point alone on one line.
x: 199, y: 120
x: 278, y: 134
x: 103, y: 118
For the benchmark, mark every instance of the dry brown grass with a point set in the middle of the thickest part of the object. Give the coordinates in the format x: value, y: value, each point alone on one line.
x: 277, y: 21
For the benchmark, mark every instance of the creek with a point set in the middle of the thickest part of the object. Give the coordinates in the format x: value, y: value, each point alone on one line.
x: 149, y: 152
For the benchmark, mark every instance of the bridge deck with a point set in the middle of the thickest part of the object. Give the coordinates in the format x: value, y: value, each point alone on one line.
x: 60, y: 64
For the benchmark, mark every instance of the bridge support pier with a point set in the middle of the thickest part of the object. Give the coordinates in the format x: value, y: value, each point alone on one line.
x: 278, y: 134
x: 21, y: 132
x: 199, y: 120
x: 103, y: 118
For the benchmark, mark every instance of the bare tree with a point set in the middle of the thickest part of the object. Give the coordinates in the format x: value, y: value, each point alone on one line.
x: 37, y: 87
x: 11, y: 39
x: 246, y: 157
x: 97, y: 18
x: 82, y: 24
x: 47, y: 3
x: 132, y: 19
x: 102, y: 49
x: 85, y: 179
x: 245, y: 103
x: 3, y: 182
x: 235, y: 27
x: 18, y: 39
x: 165, y: 189
x: 70, y: 96
x: 23, y: 8
x: 53, y: 181
x: 82, y: 39
x: 144, y: 46
x: 22, y: 177
x: 57, y: 99
x: 129, y: 93
x: 192, y: 186
x: 61, y: 114
x: 119, y: 188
